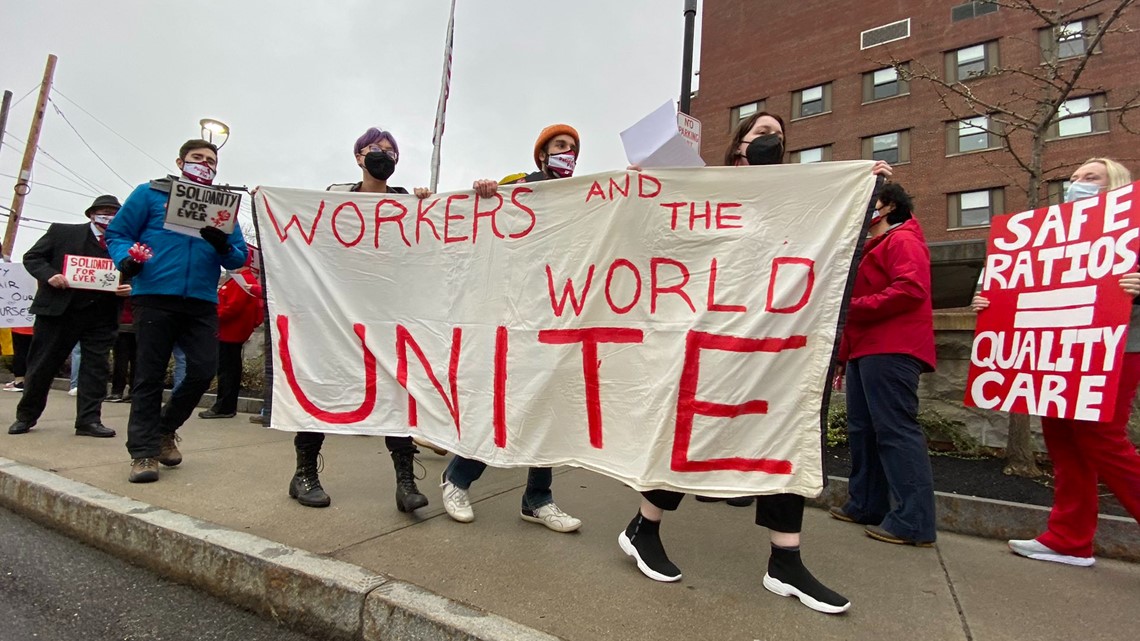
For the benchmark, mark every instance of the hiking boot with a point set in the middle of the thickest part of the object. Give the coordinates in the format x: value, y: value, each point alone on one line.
x: 408, y: 497
x: 306, y: 484
x: 456, y: 502
x: 552, y: 517
x: 787, y: 576
x: 168, y: 453
x: 1032, y: 549
x: 143, y: 470
x: 641, y: 539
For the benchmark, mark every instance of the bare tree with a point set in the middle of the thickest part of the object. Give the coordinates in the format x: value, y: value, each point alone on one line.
x: 1025, y: 107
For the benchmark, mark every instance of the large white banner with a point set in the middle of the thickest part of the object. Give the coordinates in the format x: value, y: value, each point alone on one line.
x: 671, y: 329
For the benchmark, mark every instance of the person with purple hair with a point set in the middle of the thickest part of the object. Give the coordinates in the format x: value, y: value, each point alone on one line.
x: 376, y: 154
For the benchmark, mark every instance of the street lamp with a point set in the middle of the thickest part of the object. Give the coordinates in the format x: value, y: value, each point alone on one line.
x: 211, y: 127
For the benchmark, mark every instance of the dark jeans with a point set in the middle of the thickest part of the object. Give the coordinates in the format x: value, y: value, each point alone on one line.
x: 55, y: 336
x: 157, y: 330
x: 124, y: 362
x: 891, y: 480
x: 464, y: 471
x: 229, y: 377
x: 395, y: 444
x: 777, y: 512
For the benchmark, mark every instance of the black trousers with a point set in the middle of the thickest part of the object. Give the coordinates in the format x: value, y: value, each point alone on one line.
x: 94, y: 328
x: 777, y: 512
x: 395, y: 444
x: 123, y: 358
x: 21, y: 345
x: 157, y: 330
x: 229, y: 377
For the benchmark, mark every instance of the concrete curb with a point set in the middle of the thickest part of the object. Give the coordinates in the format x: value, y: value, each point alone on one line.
x: 317, y: 595
x: 1117, y: 537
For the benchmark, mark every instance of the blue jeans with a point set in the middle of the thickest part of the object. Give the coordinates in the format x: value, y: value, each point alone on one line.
x: 891, y: 481
x: 179, y: 366
x: 464, y: 471
x: 75, y: 367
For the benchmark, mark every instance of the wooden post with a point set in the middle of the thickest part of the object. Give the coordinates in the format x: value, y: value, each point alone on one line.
x: 22, y: 182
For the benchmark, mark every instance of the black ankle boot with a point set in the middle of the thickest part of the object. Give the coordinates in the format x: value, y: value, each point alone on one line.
x: 408, y: 497
x: 306, y: 485
x: 642, y: 540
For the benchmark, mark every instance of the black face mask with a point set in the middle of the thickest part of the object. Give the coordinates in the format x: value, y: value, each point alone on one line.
x: 379, y: 164
x: 765, y: 150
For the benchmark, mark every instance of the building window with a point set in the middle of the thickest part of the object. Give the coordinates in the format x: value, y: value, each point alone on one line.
x: 884, y: 83
x: 887, y: 33
x: 741, y: 113
x: 971, y: 62
x: 1070, y: 40
x: 972, y: 10
x: 893, y: 147
x: 814, y: 154
x: 975, y: 208
x: 811, y: 101
x: 971, y: 134
x: 1056, y: 190
x: 1074, y: 117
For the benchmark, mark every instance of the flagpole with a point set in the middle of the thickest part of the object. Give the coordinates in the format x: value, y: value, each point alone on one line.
x: 441, y: 108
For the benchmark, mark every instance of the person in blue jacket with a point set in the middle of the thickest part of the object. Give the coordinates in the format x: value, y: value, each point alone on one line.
x: 174, y: 298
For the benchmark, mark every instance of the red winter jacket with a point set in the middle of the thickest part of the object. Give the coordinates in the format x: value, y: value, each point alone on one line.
x: 890, y: 310
x: 239, y: 310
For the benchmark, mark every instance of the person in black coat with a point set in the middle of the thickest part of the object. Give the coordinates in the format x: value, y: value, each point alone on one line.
x: 66, y: 316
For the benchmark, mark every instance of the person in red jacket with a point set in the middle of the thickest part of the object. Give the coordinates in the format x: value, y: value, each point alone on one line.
x: 239, y: 313
x: 887, y: 343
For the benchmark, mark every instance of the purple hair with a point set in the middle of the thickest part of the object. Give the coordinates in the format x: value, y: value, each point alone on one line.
x: 373, y: 136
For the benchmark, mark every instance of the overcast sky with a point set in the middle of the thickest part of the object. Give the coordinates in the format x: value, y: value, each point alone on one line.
x: 298, y: 81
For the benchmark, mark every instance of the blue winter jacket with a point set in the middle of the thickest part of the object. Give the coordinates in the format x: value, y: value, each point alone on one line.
x: 182, y: 265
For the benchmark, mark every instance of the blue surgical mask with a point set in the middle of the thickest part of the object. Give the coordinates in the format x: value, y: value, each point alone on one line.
x: 1080, y: 191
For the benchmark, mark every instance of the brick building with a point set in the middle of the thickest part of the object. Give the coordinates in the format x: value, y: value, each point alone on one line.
x: 825, y: 66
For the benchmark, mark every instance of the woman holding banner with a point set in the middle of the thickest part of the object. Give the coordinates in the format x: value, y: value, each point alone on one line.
x: 759, y: 140
x: 1087, y: 452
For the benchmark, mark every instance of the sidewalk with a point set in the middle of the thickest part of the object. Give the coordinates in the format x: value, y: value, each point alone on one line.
x: 580, y: 586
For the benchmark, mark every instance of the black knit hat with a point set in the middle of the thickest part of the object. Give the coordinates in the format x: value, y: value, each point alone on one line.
x: 103, y: 202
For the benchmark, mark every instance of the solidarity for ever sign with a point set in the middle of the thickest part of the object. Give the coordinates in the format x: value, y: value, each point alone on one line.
x: 670, y: 329
x: 192, y: 206
x: 1052, y: 339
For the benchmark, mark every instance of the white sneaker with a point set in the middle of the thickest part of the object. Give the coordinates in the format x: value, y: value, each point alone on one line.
x: 1031, y: 548
x: 73, y: 391
x: 552, y: 517
x: 456, y: 502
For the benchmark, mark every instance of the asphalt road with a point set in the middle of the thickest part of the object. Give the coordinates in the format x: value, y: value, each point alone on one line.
x: 57, y: 589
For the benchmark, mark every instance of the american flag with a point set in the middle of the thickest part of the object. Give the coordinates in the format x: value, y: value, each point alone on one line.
x: 441, y: 108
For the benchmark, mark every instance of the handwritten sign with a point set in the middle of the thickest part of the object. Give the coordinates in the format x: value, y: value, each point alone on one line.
x: 669, y: 329
x: 90, y: 272
x: 17, y: 289
x: 1052, y: 339
x: 192, y: 207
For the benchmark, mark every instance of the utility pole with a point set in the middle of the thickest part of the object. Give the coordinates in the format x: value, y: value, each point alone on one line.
x: 22, y: 182
x: 687, y: 55
x: 4, y: 114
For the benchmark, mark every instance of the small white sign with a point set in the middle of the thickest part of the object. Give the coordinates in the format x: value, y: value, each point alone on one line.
x: 656, y: 141
x: 690, y: 129
x: 17, y: 289
x: 192, y: 207
x: 90, y: 272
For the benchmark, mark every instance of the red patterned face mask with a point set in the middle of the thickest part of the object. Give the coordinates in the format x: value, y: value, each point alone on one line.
x: 562, y: 165
x: 199, y: 172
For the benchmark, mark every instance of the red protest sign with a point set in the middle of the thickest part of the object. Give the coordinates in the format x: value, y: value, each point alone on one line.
x: 1052, y: 339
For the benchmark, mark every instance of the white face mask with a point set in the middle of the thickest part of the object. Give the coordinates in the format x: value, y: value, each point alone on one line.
x: 562, y: 165
x: 1081, y: 190
x: 199, y: 172
x: 102, y: 221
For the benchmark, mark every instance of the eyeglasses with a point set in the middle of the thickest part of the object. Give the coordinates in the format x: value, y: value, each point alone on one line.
x: 392, y: 153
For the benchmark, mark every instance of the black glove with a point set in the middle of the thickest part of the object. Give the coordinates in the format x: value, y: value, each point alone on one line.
x: 217, y: 238
x: 130, y: 267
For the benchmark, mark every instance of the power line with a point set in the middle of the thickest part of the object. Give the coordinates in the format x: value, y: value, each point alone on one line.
x: 40, y: 184
x: 30, y: 92
x: 108, y: 127
x: 81, y: 182
x: 59, y: 162
x: 87, y: 144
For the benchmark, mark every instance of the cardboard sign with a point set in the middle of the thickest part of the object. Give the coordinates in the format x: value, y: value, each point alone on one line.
x: 17, y: 289
x: 89, y: 272
x: 1052, y: 339
x: 671, y: 329
x: 192, y: 206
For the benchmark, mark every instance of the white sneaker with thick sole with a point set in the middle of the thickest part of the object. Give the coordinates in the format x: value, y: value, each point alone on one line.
x: 777, y: 586
x: 552, y: 517
x: 456, y: 502
x: 1032, y: 549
